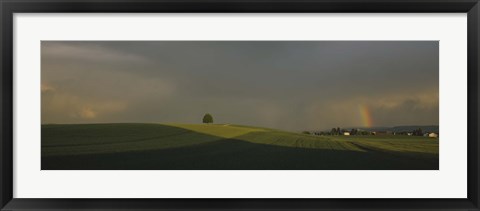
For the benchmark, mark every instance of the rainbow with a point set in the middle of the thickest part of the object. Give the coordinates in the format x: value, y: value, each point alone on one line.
x: 366, y: 116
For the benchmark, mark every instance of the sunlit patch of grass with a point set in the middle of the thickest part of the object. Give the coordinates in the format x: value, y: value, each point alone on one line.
x: 221, y: 130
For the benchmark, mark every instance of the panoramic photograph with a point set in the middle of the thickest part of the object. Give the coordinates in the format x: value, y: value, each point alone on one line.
x: 240, y: 105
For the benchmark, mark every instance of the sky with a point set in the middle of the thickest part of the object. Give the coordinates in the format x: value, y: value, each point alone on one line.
x: 290, y: 85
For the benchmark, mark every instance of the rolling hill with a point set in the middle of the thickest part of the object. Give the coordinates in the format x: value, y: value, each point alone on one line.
x: 136, y: 146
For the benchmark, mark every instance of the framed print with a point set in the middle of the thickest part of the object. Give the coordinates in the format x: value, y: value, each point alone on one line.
x: 249, y: 105
x: 245, y: 120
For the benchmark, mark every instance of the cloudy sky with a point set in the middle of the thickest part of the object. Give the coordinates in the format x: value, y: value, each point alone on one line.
x: 294, y: 85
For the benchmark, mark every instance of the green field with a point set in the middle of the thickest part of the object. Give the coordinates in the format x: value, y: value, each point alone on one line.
x: 136, y: 146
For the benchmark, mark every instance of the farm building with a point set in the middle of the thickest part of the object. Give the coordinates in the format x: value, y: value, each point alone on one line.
x: 432, y: 135
x: 346, y: 133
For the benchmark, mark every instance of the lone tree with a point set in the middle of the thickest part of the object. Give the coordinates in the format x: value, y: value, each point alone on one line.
x: 207, y: 118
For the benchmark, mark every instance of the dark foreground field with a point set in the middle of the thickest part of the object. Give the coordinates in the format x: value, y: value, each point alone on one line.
x: 226, y: 147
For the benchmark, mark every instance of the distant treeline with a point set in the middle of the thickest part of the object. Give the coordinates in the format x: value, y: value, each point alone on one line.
x: 339, y: 131
x: 399, y: 130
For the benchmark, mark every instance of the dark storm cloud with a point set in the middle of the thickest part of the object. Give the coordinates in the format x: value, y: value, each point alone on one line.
x: 292, y: 85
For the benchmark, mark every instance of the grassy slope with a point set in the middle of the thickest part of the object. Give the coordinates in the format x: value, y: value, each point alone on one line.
x: 200, y: 146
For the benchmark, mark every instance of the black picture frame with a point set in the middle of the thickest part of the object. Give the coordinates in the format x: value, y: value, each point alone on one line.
x: 10, y: 7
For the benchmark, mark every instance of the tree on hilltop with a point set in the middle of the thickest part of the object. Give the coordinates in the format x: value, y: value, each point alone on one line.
x: 207, y: 118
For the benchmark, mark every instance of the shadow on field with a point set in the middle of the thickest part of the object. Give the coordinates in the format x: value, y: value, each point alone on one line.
x: 235, y: 154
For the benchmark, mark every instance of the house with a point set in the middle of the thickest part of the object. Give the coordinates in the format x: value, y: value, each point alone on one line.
x: 432, y: 135
x: 346, y: 133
